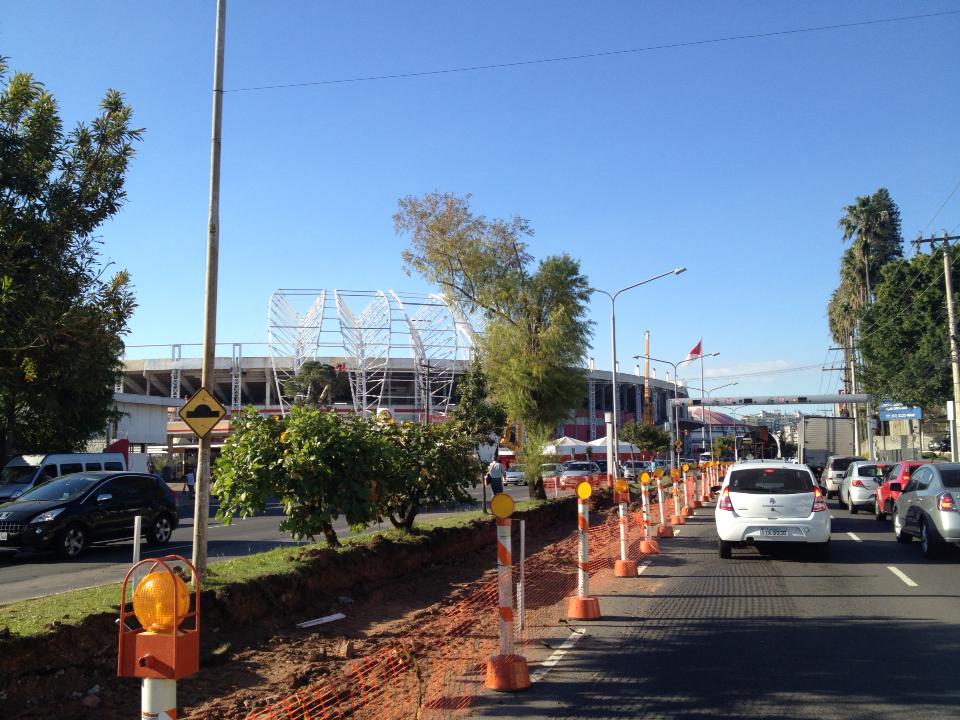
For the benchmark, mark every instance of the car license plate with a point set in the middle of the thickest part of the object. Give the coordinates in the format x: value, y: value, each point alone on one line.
x: 774, y: 531
x: 3, y: 536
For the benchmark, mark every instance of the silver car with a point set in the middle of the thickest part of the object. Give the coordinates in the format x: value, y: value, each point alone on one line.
x: 927, y: 508
x: 858, y: 486
x: 834, y: 471
x: 514, y: 476
x: 575, y: 470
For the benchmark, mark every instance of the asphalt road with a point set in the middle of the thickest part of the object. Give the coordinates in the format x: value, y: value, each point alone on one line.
x: 870, y: 635
x: 30, y: 575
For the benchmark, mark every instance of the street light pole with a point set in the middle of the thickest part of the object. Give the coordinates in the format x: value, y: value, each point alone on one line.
x: 675, y: 418
x: 613, y: 360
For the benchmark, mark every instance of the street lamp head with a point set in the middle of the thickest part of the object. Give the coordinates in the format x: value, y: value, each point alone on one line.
x: 677, y: 271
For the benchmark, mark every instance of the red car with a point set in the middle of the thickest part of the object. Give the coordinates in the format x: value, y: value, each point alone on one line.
x: 886, y: 496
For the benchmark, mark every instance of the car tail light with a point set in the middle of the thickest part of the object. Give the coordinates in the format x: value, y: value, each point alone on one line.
x: 819, y: 504
x: 858, y: 483
x: 945, y: 502
x: 906, y: 477
x: 725, y: 502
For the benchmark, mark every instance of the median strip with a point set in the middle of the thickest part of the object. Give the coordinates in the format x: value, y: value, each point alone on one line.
x: 902, y: 575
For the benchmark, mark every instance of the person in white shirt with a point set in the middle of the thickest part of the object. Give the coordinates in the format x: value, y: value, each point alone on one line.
x: 494, y: 476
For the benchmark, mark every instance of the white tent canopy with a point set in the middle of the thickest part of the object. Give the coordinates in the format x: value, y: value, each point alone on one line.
x: 565, y: 446
x: 625, y: 447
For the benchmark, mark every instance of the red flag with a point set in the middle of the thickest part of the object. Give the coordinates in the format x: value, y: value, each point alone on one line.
x: 697, y: 351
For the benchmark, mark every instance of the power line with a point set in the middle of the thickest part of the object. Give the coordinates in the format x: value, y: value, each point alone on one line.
x: 591, y: 56
x: 942, y: 206
x: 797, y: 368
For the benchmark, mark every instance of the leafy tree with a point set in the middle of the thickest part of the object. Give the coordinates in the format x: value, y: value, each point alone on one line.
x: 61, y: 319
x: 722, y: 447
x: 317, y: 384
x: 431, y: 464
x: 648, y: 438
x: 537, y: 335
x: 903, y: 334
x: 479, y: 417
x: 319, y: 464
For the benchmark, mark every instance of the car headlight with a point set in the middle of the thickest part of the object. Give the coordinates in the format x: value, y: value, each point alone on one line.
x: 46, y: 517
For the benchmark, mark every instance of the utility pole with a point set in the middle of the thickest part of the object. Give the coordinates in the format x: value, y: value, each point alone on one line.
x: 951, y: 332
x: 201, y: 510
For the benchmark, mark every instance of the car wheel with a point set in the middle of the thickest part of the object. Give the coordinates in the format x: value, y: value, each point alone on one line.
x: 880, y: 514
x: 898, y: 532
x: 71, y: 542
x: 930, y: 541
x: 821, y: 551
x: 851, y: 507
x: 160, y: 531
x: 724, y: 549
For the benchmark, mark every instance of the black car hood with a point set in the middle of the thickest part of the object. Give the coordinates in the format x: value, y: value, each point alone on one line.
x: 7, y: 490
x: 26, y: 510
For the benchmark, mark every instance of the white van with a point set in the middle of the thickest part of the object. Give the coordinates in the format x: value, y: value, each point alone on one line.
x: 24, y: 471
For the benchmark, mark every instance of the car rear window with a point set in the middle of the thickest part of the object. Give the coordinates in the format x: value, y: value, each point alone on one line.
x: 783, y: 481
x: 871, y: 470
x: 841, y: 463
x: 951, y: 477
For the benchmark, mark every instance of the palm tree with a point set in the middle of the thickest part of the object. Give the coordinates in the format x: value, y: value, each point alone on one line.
x: 873, y: 224
x: 315, y: 384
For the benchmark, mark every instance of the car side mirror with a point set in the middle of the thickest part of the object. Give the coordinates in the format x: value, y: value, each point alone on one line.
x: 895, y: 487
x: 103, y: 497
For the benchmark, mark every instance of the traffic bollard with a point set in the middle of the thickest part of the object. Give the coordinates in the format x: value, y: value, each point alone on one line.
x: 677, y: 518
x: 506, y: 671
x: 666, y: 529
x: 624, y: 567
x: 582, y: 606
x: 648, y: 546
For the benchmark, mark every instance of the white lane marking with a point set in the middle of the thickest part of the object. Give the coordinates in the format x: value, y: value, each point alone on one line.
x: 902, y: 575
x: 854, y: 537
x: 643, y: 567
x: 558, y: 654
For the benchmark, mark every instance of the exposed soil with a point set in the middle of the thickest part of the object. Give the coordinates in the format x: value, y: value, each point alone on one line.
x: 251, y: 652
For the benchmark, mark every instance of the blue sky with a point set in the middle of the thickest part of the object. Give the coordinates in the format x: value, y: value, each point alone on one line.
x: 733, y: 159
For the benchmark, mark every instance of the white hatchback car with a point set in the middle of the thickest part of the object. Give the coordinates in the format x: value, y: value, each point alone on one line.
x: 772, y: 502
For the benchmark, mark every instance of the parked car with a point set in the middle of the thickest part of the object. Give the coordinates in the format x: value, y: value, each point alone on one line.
x: 858, y: 487
x: 772, y: 501
x: 602, y: 464
x: 633, y: 469
x: 550, y: 469
x: 834, y: 471
x: 514, y: 476
x: 939, y: 444
x: 927, y: 508
x: 69, y: 513
x: 575, y: 470
x: 889, y: 488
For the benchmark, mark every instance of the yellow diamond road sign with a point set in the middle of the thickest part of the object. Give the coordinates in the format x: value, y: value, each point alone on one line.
x: 202, y: 412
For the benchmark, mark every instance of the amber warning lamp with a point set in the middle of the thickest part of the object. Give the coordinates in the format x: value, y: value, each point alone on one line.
x: 159, y: 629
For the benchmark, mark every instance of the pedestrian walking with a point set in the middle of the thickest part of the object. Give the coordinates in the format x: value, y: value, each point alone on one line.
x: 494, y: 476
x: 189, y: 480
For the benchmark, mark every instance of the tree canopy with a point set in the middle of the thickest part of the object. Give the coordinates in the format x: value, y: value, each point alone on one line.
x: 903, y: 334
x: 62, y: 318
x: 537, y: 334
x: 646, y: 437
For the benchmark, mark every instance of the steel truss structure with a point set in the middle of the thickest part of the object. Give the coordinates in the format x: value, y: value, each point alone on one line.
x: 378, y: 335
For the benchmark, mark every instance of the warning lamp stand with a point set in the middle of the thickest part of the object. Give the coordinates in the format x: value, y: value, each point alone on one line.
x: 624, y: 567
x: 677, y: 518
x: 691, y: 482
x: 582, y: 606
x: 648, y: 546
x: 666, y: 529
x: 506, y: 671
x: 166, y: 645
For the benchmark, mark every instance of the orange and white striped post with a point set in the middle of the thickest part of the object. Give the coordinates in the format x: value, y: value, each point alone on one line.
x: 624, y: 567
x: 677, y: 518
x: 694, y: 500
x: 666, y: 529
x: 506, y: 671
x: 582, y: 606
x: 648, y: 546
x: 687, y: 510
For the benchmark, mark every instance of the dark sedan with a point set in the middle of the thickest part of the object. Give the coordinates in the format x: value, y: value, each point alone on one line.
x: 69, y: 513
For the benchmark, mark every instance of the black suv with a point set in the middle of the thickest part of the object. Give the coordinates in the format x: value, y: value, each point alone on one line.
x: 70, y: 512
